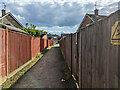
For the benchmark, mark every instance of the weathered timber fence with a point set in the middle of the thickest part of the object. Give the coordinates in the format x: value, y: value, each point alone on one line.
x: 16, y: 48
x: 94, y: 54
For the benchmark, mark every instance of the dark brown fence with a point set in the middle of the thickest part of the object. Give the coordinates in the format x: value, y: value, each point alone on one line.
x: 95, y: 53
x: 18, y: 48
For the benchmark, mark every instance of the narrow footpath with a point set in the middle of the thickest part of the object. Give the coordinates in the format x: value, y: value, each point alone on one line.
x: 50, y: 71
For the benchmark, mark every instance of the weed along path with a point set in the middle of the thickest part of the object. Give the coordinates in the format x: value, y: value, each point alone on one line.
x: 50, y: 71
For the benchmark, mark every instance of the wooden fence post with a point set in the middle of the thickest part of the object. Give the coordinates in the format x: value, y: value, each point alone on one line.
x: 6, y: 51
x: 32, y: 47
x: 77, y: 57
x: 71, y: 53
x: 119, y: 50
x: 80, y: 59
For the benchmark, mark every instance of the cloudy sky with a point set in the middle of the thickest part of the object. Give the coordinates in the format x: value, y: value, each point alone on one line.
x: 57, y: 16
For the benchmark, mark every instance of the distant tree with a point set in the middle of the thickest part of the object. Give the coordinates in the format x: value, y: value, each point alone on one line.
x: 26, y: 25
x: 34, y: 27
x: 38, y: 33
x: 45, y: 32
x: 32, y: 30
x: 41, y: 30
x: 31, y: 26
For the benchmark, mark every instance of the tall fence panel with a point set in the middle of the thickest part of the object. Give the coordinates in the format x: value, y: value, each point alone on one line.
x: 74, y: 56
x: 19, y: 51
x: 99, y: 56
x: 16, y: 48
x: 68, y: 51
x: 2, y: 53
x: 63, y: 46
x: 36, y: 46
x: 1, y: 64
x: 45, y: 43
x: 49, y: 42
x: 97, y: 52
x: 42, y: 44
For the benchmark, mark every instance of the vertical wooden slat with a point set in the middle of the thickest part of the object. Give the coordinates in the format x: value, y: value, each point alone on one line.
x: 80, y: 59
x: 98, y: 58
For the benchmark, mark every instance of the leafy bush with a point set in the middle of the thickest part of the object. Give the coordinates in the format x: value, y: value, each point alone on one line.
x: 33, y: 31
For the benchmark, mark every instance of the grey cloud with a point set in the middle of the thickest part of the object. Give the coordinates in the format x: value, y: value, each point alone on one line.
x: 89, y: 6
x: 46, y: 14
x: 110, y: 8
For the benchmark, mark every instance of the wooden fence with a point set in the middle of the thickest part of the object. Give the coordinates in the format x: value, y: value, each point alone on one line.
x: 18, y: 48
x: 93, y: 54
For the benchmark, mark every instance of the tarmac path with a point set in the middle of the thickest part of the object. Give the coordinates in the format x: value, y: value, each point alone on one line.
x: 50, y: 71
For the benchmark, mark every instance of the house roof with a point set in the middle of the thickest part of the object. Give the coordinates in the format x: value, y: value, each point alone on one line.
x: 95, y: 18
x: 11, y: 16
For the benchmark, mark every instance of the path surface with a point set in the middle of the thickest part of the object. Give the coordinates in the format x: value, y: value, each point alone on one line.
x: 47, y: 73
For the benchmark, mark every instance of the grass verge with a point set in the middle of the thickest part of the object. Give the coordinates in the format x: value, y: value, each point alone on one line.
x: 9, y: 82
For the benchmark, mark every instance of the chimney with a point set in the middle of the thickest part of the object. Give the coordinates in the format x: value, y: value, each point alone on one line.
x: 3, y: 12
x: 96, y: 11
